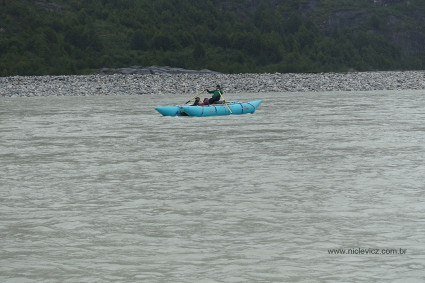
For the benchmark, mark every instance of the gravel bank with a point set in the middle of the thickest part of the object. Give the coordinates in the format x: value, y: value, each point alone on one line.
x: 137, y: 84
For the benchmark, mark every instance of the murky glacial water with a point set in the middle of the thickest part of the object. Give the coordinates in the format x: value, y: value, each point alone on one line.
x: 106, y: 189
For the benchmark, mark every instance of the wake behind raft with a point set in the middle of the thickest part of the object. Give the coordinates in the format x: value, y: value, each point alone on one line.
x: 227, y: 108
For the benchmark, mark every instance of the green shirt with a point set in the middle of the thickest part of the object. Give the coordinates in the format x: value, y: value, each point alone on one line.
x: 216, y: 93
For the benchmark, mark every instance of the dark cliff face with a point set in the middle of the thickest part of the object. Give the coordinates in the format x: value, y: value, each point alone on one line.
x: 375, y: 17
x: 380, y: 19
x: 306, y: 8
x: 388, y: 2
x: 408, y: 37
x: 342, y: 19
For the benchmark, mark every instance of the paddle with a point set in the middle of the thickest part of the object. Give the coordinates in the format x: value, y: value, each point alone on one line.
x: 195, y: 96
x: 224, y: 101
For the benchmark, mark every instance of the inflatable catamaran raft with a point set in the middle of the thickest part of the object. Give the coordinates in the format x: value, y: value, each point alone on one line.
x: 227, y: 108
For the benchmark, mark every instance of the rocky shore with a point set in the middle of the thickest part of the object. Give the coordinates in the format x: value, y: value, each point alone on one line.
x: 191, y: 83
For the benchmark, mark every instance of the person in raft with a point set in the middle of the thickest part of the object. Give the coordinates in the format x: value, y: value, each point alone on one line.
x: 196, y: 102
x: 215, y: 97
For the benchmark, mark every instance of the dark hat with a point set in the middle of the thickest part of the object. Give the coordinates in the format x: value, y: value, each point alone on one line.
x: 217, y: 86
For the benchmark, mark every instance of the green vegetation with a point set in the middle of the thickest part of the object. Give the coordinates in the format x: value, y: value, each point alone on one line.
x: 80, y: 37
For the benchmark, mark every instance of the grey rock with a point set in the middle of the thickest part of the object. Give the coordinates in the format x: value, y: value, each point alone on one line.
x: 153, y: 70
x: 166, y: 80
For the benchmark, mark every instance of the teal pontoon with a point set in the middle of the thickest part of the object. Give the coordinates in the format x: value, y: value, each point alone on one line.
x: 236, y: 108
